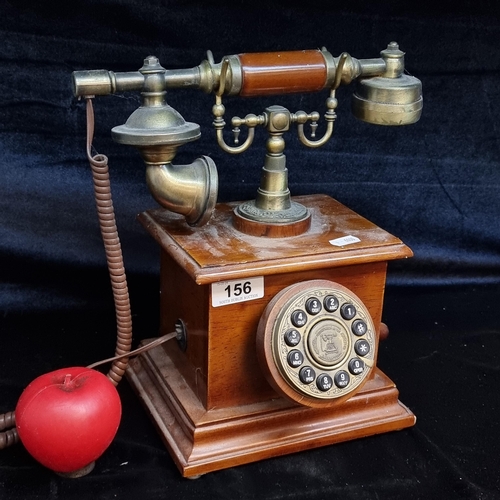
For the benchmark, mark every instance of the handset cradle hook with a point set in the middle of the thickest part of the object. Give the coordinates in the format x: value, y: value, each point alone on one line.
x: 218, y: 110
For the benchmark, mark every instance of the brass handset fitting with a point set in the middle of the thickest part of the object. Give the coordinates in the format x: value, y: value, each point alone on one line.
x: 384, y: 95
x: 240, y: 78
x: 157, y: 130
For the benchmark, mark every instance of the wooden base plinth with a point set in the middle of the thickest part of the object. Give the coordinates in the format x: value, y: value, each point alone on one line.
x: 202, y: 441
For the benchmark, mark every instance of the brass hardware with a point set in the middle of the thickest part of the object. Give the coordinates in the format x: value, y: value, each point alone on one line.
x: 155, y: 124
x: 388, y: 101
x: 189, y: 190
x: 206, y: 76
x: 218, y: 110
x: 157, y: 130
x: 273, y: 204
x: 384, y: 95
x: 392, y: 98
x: 326, y: 342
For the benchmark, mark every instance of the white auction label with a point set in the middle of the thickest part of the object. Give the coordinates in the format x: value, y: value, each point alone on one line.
x: 345, y: 240
x: 230, y: 292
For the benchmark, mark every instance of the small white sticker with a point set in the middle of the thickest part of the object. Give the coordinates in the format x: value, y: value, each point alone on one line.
x: 345, y: 240
x: 230, y: 292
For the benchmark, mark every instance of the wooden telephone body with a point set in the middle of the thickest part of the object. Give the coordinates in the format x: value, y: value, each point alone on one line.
x: 210, y: 398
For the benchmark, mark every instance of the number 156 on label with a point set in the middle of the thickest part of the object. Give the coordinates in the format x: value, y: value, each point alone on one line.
x: 230, y: 292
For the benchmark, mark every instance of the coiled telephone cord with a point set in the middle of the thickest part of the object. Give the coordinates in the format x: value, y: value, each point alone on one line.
x: 114, y: 257
x: 8, y: 437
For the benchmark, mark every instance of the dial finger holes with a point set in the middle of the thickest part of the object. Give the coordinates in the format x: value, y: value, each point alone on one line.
x: 321, y: 340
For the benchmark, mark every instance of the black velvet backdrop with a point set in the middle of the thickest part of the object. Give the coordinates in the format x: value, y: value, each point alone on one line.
x: 434, y: 184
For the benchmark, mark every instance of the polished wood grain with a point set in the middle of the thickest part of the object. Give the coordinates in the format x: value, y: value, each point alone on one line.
x: 212, y: 403
x: 271, y: 73
x: 202, y: 441
x: 218, y: 251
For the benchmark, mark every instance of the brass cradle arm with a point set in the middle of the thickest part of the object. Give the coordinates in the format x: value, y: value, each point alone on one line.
x: 384, y: 95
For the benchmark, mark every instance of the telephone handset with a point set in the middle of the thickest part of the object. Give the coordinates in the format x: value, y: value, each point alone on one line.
x: 316, y: 343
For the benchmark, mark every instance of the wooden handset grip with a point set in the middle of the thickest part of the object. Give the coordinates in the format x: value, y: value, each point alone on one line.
x: 268, y: 73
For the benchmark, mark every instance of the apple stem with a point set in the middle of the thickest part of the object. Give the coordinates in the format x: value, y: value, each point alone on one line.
x: 67, y: 380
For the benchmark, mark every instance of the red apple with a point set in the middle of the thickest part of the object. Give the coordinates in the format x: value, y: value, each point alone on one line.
x: 67, y: 418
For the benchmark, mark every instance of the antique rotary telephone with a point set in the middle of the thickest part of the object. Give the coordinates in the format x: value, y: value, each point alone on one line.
x: 276, y: 302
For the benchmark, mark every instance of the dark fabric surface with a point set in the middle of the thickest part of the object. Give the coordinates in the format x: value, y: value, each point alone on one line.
x: 433, y: 184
